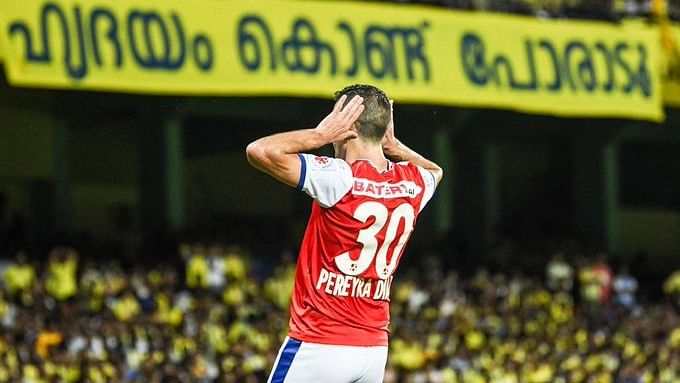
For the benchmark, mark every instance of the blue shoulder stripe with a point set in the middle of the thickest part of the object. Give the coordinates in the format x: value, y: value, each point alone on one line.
x: 303, y: 172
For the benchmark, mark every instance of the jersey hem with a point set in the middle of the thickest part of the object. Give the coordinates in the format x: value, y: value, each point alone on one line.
x: 344, y: 341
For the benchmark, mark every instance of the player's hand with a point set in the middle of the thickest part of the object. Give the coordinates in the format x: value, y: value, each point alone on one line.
x: 337, y: 125
x: 390, y: 142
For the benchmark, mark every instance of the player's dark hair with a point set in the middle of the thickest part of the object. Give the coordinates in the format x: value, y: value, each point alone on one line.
x: 373, y: 121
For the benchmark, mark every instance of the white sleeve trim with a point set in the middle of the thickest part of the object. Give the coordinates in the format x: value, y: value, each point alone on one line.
x: 430, y: 186
x: 325, y: 179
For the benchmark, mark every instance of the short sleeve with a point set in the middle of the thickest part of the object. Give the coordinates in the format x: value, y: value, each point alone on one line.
x: 325, y: 179
x: 430, y: 186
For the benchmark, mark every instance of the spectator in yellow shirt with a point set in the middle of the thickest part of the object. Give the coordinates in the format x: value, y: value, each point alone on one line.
x: 127, y: 308
x: 61, y: 281
x: 19, y: 277
x: 197, y: 268
x: 672, y: 287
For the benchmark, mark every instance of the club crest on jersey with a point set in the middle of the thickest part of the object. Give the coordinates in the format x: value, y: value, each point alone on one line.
x: 375, y: 189
x: 321, y: 161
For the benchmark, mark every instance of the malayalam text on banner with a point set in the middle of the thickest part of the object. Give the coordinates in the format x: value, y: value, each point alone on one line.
x: 307, y: 48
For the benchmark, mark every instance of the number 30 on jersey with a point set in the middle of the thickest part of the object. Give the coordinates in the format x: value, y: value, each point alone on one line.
x: 367, y: 237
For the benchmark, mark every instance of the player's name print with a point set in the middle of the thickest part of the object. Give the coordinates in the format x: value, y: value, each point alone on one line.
x: 348, y: 286
x: 385, y: 189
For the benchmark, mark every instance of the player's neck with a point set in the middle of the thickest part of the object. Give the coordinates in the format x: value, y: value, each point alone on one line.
x: 359, y: 150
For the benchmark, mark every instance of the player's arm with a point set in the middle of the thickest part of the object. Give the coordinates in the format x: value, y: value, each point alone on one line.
x: 277, y: 155
x: 397, y: 151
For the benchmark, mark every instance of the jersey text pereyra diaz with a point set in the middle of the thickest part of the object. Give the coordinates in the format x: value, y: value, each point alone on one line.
x: 348, y: 286
x: 376, y: 189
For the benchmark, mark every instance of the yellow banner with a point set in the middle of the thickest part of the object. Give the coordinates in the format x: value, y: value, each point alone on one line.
x: 670, y: 71
x: 311, y: 48
x: 2, y: 31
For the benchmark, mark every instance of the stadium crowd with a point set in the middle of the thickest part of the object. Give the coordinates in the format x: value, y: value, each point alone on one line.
x: 220, y: 315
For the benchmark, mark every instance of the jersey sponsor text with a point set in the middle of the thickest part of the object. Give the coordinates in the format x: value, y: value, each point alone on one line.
x: 376, y: 189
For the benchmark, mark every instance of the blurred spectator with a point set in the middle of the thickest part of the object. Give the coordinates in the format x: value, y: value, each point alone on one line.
x: 61, y: 282
x: 633, y: 8
x: 627, y: 374
x: 235, y: 264
x: 216, y: 269
x: 46, y: 339
x: 20, y: 278
x: 625, y: 287
x: 596, y: 281
x: 603, y: 276
x: 125, y: 308
x: 672, y: 287
x: 196, y: 266
x: 559, y: 274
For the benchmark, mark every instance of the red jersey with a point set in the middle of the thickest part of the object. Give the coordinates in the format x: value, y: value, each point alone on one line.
x: 360, y: 223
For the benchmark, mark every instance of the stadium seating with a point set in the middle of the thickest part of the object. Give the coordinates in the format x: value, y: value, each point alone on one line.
x: 218, y: 317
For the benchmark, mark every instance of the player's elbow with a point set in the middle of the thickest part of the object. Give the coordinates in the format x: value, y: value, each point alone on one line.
x: 438, y: 173
x: 256, y: 154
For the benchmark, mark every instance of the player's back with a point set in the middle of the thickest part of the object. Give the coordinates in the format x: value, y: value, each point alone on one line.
x: 360, y: 223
